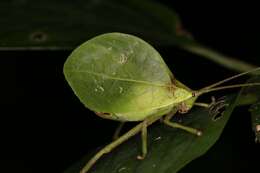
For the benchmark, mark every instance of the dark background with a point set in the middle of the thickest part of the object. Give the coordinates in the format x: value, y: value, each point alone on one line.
x: 44, y: 127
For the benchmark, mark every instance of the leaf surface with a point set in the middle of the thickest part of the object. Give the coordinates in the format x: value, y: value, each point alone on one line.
x: 51, y: 25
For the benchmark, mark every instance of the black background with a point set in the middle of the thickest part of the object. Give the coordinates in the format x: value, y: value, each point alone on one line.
x: 44, y: 127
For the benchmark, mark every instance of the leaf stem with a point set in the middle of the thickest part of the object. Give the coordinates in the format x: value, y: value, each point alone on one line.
x: 225, y: 61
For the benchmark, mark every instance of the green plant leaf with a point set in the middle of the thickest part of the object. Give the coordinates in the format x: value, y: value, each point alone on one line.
x: 46, y: 24
x: 62, y: 25
x: 169, y: 149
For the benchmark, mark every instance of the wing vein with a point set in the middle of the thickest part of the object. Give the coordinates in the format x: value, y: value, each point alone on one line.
x: 121, y: 79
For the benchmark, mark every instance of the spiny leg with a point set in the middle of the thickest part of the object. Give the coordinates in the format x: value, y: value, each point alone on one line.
x: 144, y: 141
x: 117, y: 142
x: 118, y: 130
x: 179, y: 126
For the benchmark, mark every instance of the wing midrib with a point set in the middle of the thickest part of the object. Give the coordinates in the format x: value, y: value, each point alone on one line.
x: 120, y: 79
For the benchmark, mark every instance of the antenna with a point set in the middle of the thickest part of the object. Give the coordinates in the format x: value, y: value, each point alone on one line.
x: 230, y: 78
x: 213, y: 87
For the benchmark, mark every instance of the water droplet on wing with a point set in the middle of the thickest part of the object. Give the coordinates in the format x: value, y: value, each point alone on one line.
x: 121, y: 89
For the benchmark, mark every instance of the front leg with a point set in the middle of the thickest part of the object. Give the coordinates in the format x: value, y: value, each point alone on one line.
x: 214, y: 107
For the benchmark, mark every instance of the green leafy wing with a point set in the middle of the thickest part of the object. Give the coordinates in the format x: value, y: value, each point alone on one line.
x: 119, y: 73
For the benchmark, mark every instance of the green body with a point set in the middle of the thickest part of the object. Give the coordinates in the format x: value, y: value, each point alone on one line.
x: 121, y: 77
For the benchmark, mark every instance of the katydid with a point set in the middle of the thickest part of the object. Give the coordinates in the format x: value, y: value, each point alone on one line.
x: 121, y: 77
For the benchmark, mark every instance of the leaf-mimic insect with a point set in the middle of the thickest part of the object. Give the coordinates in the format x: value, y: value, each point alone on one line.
x: 121, y: 77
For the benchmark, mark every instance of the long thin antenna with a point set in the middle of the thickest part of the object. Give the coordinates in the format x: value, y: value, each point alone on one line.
x: 228, y: 79
x: 225, y: 87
